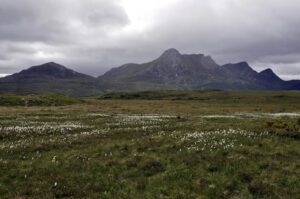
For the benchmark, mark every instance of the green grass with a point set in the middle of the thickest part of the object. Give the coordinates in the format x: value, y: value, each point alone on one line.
x: 37, y: 100
x: 155, y: 148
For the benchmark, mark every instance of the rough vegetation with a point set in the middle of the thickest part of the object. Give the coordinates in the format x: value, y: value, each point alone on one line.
x: 199, y: 145
x: 37, y: 100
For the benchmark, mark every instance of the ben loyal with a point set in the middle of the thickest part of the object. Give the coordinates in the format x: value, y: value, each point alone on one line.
x: 172, y: 71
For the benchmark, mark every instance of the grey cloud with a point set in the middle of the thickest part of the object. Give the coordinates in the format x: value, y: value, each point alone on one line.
x: 255, y: 28
x: 233, y: 31
x: 90, y: 36
x: 61, y: 21
x: 60, y: 28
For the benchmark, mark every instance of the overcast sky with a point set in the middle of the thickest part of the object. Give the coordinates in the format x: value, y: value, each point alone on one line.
x: 92, y: 36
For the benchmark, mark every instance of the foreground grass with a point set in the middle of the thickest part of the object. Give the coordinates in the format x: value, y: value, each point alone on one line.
x: 151, y: 149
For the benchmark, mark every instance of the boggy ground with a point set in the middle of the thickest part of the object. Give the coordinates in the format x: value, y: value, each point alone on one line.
x: 241, y: 145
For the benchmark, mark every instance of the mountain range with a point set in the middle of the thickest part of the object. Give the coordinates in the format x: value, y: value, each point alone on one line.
x: 171, y: 70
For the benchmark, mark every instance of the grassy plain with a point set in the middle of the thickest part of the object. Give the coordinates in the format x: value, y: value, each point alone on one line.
x: 153, y: 145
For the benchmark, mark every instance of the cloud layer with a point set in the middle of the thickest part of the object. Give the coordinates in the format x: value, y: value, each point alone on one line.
x: 94, y: 35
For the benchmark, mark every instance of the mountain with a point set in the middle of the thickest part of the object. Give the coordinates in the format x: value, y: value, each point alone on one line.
x: 170, y: 71
x: 252, y: 80
x: 49, y: 77
x: 173, y: 70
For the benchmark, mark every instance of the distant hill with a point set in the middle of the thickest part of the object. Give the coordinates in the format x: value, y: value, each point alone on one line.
x: 38, y: 100
x: 173, y: 70
x: 170, y: 71
x: 49, y: 77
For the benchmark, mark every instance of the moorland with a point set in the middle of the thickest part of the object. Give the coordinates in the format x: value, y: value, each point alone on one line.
x: 160, y: 144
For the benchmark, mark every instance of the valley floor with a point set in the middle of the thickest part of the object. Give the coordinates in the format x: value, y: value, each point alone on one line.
x: 216, y: 148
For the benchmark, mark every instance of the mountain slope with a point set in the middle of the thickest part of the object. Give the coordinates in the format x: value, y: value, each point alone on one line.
x: 173, y: 70
x: 49, y: 77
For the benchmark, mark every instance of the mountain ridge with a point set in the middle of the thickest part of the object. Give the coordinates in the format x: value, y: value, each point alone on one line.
x: 171, y: 70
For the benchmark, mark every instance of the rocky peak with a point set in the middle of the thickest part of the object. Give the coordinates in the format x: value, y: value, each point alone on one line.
x: 238, y: 66
x: 244, y: 64
x: 241, y: 67
x: 171, y: 56
x: 208, y: 62
x: 171, y: 52
x: 269, y: 75
x: 267, y: 71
